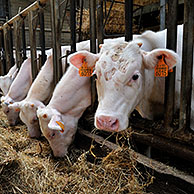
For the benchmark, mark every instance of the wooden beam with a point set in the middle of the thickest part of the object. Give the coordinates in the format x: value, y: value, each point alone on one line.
x: 56, y: 40
x: 187, y: 66
x: 32, y: 34
x: 150, y: 163
x: 8, y: 47
x: 18, y: 37
x: 25, y: 12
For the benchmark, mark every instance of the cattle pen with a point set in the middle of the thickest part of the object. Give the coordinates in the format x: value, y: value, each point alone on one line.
x: 100, y: 162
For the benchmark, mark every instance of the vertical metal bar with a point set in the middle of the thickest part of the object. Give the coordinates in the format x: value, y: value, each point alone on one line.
x: 92, y: 6
x: 162, y: 14
x: 11, y: 46
x: 128, y: 20
x: 42, y: 36
x: 92, y: 26
x: 80, y: 23
x: 187, y: 66
x: 2, y: 59
x: 100, y: 23
x: 32, y: 35
x: 170, y: 80
x: 56, y: 40
x: 23, y: 41
x: 17, y: 34
x: 73, y: 25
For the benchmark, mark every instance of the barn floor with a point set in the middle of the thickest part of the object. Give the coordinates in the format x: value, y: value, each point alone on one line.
x: 28, y: 166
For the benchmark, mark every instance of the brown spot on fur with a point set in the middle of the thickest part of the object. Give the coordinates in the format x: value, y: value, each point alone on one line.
x: 104, y: 64
x: 44, y: 116
x: 108, y: 75
x: 115, y: 57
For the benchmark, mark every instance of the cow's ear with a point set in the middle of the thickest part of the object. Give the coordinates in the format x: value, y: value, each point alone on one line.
x: 150, y: 59
x: 56, y: 123
x: 76, y: 59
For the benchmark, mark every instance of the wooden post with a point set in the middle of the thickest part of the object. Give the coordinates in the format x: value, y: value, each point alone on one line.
x: 100, y: 30
x: 92, y: 5
x: 56, y: 39
x: 18, y: 38
x: 32, y: 34
x: 170, y: 80
x: 8, y: 47
x: 128, y: 20
x: 187, y: 65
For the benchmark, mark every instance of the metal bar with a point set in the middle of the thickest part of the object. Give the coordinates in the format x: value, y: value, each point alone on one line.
x: 42, y: 36
x: 32, y: 35
x: 187, y: 65
x: 25, y: 12
x: 80, y: 23
x: 56, y: 40
x: 170, y: 80
x: 163, y: 14
x: 110, y: 8
x: 73, y: 25
x: 100, y: 29
x: 2, y: 55
x: 23, y: 41
x: 128, y: 20
x: 92, y: 6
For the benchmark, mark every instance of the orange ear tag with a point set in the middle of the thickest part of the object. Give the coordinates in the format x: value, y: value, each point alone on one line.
x: 61, y: 125
x: 84, y: 70
x: 161, y: 69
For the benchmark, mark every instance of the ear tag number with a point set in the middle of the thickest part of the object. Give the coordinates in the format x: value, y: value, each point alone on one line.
x: 84, y: 70
x: 61, y: 125
x: 161, y: 69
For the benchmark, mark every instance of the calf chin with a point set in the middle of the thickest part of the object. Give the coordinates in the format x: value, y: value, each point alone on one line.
x: 34, y: 133
x: 60, y: 153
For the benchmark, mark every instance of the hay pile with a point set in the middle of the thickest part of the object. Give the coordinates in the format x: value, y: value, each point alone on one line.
x: 27, y: 166
x: 116, y: 21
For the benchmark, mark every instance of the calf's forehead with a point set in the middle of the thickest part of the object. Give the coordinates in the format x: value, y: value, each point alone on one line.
x: 124, y: 58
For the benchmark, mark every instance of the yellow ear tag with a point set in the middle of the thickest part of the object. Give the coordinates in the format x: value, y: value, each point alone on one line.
x: 61, y: 125
x: 84, y: 70
x: 161, y: 69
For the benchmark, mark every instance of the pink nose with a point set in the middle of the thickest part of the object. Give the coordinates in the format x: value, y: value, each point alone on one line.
x: 107, y: 123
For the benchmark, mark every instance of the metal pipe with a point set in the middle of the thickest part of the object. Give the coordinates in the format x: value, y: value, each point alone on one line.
x: 92, y: 5
x: 42, y: 36
x: 128, y: 20
x: 73, y: 25
x: 23, y: 41
x: 187, y: 66
x: 170, y: 80
x: 163, y: 14
x: 100, y: 28
x: 80, y: 23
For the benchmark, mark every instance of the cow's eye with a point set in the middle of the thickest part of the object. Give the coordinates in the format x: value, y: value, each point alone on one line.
x: 135, y: 77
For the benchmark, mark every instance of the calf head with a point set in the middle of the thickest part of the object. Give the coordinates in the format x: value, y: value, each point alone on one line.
x: 28, y: 115
x: 57, y: 129
x: 120, y: 70
x: 12, y: 115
